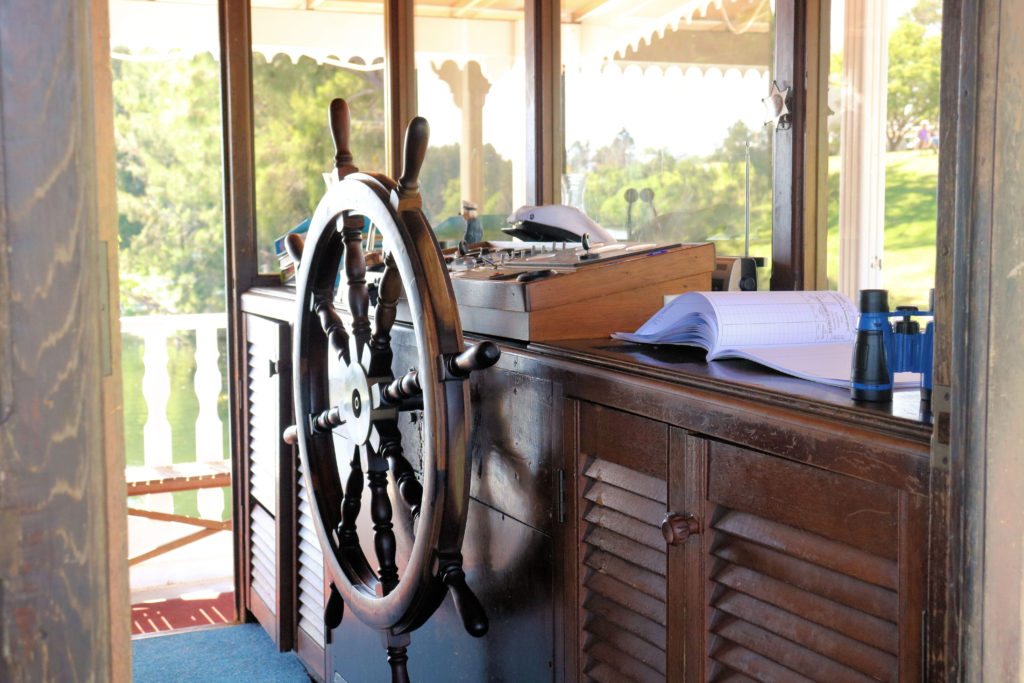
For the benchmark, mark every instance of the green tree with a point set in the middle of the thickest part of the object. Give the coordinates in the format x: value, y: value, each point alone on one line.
x: 619, y: 153
x: 167, y: 129
x: 696, y: 198
x: 734, y: 150
x: 167, y: 125
x: 928, y: 13
x: 914, y: 56
x: 577, y: 158
x: 292, y: 138
x: 440, y: 186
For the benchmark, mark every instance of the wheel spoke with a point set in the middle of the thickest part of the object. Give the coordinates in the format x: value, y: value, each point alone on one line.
x: 326, y: 421
x: 403, y: 390
x: 355, y: 271
x: 330, y: 321
x: 409, y: 487
x: 383, y: 530
x: 347, y: 536
x: 398, y: 656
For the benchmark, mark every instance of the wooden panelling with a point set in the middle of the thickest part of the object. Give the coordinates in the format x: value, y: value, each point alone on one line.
x: 805, y: 555
x: 55, y: 578
x: 840, y: 588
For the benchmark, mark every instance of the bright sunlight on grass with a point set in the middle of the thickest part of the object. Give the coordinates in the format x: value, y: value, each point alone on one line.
x: 911, y: 178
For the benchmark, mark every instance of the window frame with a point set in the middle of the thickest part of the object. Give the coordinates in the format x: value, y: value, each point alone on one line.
x: 793, y: 266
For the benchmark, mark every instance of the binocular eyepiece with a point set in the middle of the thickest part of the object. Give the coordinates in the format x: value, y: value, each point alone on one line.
x: 881, y: 349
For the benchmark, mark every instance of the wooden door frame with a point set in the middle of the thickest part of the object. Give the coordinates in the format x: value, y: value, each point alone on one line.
x: 110, y: 331
x: 979, y: 356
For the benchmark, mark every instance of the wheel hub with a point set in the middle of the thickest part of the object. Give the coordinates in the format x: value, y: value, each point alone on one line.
x: 356, y: 401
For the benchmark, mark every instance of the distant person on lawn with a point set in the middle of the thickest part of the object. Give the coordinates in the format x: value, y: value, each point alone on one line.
x: 924, y: 137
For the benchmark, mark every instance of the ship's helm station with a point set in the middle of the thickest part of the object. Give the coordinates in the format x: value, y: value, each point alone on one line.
x: 538, y: 501
x: 348, y: 398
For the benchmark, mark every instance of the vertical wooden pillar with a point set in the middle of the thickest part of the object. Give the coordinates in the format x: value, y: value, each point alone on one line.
x: 819, y: 21
x: 54, y: 584
x: 788, y: 148
x: 946, y: 542
x: 240, y: 249
x: 988, y: 326
x: 400, y: 84
x: 113, y: 402
x: 862, y: 146
x: 474, y: 88
x: 545, y: 138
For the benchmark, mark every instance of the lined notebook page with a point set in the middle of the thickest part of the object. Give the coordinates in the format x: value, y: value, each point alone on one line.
x: 748, y: 319
x: 825, y: 363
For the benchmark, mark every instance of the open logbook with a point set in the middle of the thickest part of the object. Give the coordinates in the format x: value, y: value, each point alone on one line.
x: 805, y: 334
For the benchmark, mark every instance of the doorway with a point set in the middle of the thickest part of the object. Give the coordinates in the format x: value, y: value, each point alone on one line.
x: 167, y: 139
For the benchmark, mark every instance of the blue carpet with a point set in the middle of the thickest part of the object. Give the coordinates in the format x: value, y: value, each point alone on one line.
x: 214, y: 655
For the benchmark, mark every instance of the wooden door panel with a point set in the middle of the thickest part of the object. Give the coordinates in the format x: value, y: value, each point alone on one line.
x: 802, y: 571
x: 622, y: 563
x: 269, y: 480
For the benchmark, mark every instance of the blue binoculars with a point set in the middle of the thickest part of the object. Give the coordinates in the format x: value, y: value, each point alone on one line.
x: 881, y: 349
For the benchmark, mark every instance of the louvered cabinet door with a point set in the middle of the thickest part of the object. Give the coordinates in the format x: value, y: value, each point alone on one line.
x: 270, y: 481
x: 809, y: 574
x: 620, y: 567
x: 310, y: 595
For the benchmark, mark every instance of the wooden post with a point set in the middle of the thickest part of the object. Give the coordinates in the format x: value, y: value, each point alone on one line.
x: 987, y: 363
x: 113, y: 401
x: 54, y: 582
x: 544, y: 139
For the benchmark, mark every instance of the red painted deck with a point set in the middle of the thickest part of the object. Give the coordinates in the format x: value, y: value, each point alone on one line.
x: 167, y: 615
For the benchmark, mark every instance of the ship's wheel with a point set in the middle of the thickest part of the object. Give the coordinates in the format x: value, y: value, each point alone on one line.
x: 348, y: 401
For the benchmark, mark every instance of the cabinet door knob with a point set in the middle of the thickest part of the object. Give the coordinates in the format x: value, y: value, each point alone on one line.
x: 678, y: 527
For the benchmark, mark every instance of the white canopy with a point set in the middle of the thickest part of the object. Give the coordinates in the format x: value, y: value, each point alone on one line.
x: 487, y: 31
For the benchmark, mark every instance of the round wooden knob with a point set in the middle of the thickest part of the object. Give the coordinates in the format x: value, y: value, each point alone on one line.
x: 340, y: 123
x: 677, y: 528
x: 417, y: 134
x: 291, y: 435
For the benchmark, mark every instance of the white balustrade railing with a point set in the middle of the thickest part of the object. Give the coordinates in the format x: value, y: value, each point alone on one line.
x: 155, y: 330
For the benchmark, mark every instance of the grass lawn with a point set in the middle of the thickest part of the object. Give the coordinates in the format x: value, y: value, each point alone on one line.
x: 910, y: 213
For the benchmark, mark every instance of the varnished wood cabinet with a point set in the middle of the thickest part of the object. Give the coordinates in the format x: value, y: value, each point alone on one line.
x: 776, y: 569
x: 798, y: 548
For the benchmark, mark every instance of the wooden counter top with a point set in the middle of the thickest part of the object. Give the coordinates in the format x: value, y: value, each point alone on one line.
x: 685, y: 365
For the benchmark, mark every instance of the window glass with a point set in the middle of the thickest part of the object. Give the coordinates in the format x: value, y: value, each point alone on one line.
x: 883, y: 145
x: 664, y: 120
x: 471, y: 88
x: 302, y: 59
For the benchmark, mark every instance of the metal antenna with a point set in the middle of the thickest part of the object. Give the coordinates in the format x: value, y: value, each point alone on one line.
x: 746, y: 208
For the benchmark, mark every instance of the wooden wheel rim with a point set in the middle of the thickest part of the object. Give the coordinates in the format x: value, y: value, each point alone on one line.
x: 441, y: 523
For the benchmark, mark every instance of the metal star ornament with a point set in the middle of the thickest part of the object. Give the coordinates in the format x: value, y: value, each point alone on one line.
x: 777, y: 106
